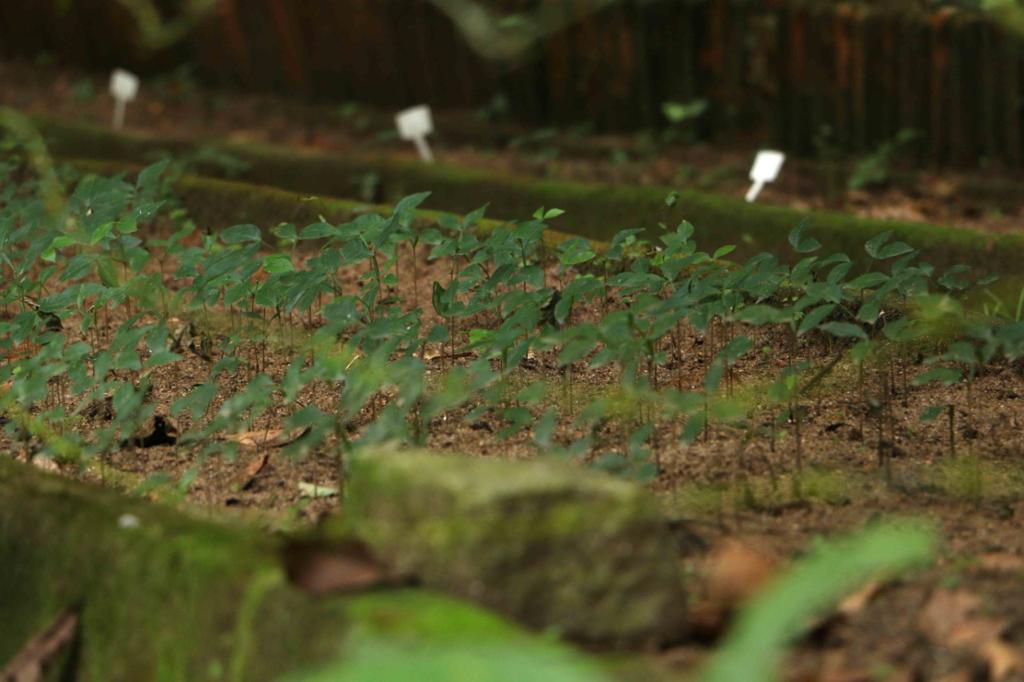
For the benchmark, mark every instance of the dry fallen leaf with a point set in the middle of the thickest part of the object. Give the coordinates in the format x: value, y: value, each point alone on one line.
x: 1001, y: 562
x: 254, y: 439
x: 253, y: 469
x: 850, y: 606
x: 45, y: 464
x: 270, y: 438
x: 733, y: 571
x: 1003, y: 658
x: 29, y: 664
x: 855, y: 602
x: 441, y: 354
x: 951, y: 619
x: 946, y: 612
x: 320, y: 570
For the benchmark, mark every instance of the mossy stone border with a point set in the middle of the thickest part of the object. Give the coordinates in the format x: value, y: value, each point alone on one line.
x: 592, y: 210
x: 164, y: 596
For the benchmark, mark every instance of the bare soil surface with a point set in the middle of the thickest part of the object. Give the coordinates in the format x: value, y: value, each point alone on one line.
x: 985, y: 198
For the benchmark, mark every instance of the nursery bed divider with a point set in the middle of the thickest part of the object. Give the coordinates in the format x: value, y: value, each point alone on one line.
x: 216, y: 203
x: 155, y: 593
x: 594, y: 211
x: 143, y: 591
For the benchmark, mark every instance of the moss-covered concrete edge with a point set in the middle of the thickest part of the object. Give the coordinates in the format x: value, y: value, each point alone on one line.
x: 594, y: 211
x: 545, y: 542
x: 215, y: 203
x: 161, y: 595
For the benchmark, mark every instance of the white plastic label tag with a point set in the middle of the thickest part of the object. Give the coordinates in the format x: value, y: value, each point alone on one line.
x: 415, y: 123
x: 124, y: 86
x: 766, y: 169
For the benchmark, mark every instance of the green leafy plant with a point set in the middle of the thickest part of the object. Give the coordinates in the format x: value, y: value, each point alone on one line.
x: 327, y: 329
x: 874, y: 169
x: 681, y: 117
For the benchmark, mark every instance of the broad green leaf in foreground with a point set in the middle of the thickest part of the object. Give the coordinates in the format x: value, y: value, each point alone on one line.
x: 493, y: 661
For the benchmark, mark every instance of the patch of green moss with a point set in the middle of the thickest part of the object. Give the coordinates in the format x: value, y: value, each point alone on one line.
x: 541, y: 541
x: 384, y: 660
x: 215, y: 203
x: 160, y: 596
x: 418, y: 614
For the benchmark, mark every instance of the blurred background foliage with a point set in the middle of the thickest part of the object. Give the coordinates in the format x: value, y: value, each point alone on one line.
x: 780, y: 71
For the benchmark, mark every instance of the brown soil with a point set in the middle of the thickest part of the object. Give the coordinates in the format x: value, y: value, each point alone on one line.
x: 176, y: 106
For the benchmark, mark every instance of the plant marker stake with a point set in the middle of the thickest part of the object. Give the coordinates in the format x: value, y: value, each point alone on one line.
x: 766, y: 169
x: 124, y: 86
x: 415, y: 123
